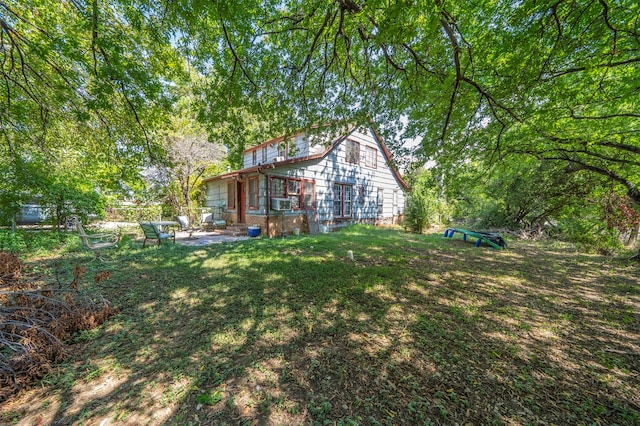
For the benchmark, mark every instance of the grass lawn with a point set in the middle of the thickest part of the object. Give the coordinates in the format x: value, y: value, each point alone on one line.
x: 415, y: 330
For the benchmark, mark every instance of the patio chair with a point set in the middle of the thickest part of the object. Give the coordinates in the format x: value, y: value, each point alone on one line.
x: 96, y: 242
x: 185, y: 226
x: 151, y: 232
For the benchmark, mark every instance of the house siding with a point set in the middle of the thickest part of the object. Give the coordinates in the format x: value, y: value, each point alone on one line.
x: 325, y: 172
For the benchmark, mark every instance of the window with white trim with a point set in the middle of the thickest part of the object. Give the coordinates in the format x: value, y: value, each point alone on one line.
x: 309, y: 194
x: 380, y: 201
x: 370, y: 157
x: 283, y: 149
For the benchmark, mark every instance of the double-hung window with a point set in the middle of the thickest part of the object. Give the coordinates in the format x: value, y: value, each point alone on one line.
x: 309, y: 194
x: 283, y: 149
x: 342, y: 200
x: 278, y: 187
x: 370, y: 157
x: 353, y: 152
x: 294, y: 192
x: 380, y: 201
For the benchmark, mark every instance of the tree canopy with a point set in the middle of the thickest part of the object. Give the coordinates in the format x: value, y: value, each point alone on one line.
x: 489, y: 81
x: 555, y: 80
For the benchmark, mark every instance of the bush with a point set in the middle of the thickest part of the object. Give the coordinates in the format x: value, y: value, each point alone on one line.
x: 12, y: 242
x: 33, y: 241
x: 421, y: 212
x: 133, y: 214
x: 589, y: 236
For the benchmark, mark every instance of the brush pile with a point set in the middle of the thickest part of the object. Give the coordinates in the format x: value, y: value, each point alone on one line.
x: 37, y: 319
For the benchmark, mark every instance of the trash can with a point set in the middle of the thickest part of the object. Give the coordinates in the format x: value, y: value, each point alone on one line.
x: 253, y: 231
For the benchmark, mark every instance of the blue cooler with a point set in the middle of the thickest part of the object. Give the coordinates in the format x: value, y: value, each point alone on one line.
x: 253, y: 231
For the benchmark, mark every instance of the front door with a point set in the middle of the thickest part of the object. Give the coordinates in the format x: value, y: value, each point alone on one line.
x: 241, y: 202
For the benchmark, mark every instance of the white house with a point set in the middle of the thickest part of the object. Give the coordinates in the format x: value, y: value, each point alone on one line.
x: 289, y: 183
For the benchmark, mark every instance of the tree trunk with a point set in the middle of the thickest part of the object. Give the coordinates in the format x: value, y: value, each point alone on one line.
x: 633, y: 235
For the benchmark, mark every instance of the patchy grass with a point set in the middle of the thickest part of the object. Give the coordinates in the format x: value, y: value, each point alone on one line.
x: 415, y: 330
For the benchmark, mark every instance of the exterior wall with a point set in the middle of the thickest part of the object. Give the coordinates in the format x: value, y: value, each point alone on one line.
x: 334, y: 168
x: 256, y: 220
x: 325, y: 172
x: 298, y: 147
x: 286, y: 223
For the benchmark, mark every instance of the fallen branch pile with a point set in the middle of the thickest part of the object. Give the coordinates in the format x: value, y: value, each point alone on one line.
x: 36, y: 320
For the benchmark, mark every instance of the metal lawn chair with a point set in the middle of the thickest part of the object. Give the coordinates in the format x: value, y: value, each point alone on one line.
x: 185, y: 226
x: 96, y: 242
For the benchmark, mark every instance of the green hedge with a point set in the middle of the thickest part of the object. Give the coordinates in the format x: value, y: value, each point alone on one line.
x: 133, y: 214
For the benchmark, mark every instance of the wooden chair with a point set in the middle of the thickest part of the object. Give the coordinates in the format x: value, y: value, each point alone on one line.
x: 151, y: 232
x: 186, y: 226
x: 96, y: 242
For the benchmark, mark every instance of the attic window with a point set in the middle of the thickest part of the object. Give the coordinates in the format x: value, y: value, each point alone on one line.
x: 371, y: 157
x: 353, y: 152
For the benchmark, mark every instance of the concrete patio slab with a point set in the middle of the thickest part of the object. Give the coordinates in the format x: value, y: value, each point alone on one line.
x: 205, y: 238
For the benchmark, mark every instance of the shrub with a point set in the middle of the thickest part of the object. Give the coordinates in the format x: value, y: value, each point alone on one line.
x: 421, y: 212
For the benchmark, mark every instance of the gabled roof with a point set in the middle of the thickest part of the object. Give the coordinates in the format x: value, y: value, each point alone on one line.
x: 319, y: 156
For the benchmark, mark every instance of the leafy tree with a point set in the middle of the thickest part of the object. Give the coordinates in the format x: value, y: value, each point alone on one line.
x: 516, y: 195
x: 552, y: 80
x: 483, y: 81
x: 190, y: 155
x: 82, y: 80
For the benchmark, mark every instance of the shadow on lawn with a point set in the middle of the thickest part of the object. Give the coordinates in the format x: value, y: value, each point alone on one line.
x: 414, y: 331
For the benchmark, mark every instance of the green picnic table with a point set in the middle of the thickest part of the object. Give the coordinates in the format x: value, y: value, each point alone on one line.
x: 492, y: 239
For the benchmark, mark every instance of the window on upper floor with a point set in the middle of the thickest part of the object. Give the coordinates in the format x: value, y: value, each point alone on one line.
x: 254, y: 157
x: 283, y: 149
x: 371, y: 157
x: 353, y: 152
x: 264, y: 155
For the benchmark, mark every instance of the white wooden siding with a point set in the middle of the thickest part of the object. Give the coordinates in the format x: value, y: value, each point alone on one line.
x: 333, y: 168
